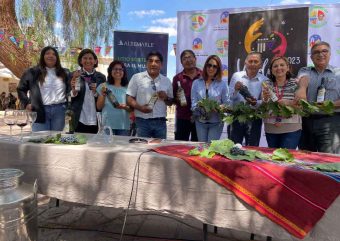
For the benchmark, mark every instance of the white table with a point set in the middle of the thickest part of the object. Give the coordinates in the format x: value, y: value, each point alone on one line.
x: 103, y: 176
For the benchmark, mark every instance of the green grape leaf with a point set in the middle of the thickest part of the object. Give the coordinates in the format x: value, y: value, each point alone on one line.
x: 282, y: 154
x: 221, y: 146
x: 194, y: 152
x: 207, y: 153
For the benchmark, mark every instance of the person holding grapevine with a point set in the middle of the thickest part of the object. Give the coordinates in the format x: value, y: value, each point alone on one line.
x: 321, y: 132
x: 245, y: 86
x: 210, y: 87
x: 281, y: 87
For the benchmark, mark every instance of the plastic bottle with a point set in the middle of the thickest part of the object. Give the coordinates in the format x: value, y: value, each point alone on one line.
x: 321, y: 92
x: 181, y: 95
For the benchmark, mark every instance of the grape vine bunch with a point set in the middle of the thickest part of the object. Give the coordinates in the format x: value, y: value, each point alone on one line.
x: 235, y: 150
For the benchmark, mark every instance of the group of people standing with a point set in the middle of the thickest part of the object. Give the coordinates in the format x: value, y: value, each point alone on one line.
x: 148, y: 94
x: 318, y: 132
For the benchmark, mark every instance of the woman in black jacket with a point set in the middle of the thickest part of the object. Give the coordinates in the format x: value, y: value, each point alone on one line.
x: 48, y: 85
x: 84, y: 100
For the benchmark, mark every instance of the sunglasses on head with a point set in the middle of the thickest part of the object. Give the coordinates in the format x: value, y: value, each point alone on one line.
x: 212, y: 66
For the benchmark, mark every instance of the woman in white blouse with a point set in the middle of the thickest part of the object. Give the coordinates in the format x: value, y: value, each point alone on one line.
x: 47, y: 83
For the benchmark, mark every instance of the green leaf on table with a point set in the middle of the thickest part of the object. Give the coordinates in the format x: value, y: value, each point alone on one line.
x: 194, y: 152
x: 221, y: 146
x: 207, y: 153
x: 261, y: 155
x: 282, y: 154
x: 328, y: 167
x: 81, y: 138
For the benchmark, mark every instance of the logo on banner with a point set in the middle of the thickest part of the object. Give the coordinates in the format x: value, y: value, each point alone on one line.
x: 222, y: 47
x: 224, y: 70
x: 198, y: 22
x: 318, y: 17
x: 314, y: 39
x: 275, y: 42
x: 224, y: 19
x: 197, y: 44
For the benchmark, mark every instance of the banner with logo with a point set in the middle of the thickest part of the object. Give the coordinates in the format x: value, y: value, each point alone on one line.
x: 282, y: 30
x: 272, y: 33
x: 204, y: 32
x: 324, y: 25
x: 133, y: 47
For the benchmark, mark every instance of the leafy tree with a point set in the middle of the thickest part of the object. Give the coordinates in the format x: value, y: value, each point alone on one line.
x: 84, y: 23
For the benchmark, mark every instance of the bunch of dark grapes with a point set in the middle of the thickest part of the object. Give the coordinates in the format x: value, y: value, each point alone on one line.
x: 237, y: 151
x: 69, y: 139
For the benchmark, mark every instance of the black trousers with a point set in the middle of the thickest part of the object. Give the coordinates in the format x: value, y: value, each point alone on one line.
x: 321, y: 133
x: 86, y: 129
x: 185, y: 129
x: 249, y: 131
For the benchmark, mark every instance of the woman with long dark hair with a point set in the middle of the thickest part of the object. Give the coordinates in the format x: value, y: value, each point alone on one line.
x: 115, y: 115
x: 48, y: 84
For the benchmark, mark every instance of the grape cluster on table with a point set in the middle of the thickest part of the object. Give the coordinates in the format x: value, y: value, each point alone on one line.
x: 69, y: 139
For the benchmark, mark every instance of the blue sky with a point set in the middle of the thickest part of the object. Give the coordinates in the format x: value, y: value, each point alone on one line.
x: 160, y: 16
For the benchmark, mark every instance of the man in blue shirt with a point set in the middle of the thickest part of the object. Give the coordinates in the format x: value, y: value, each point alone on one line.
x: 250, y: 131
x: 321, y: 132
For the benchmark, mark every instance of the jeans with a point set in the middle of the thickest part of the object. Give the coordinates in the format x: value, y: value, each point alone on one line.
x: 288, y: 140
x: 249, y: 131
x: 206, y: 132
x: 185, y: 129
x: 120, y: 132
x: 151, y: 128
x: 54, y: 118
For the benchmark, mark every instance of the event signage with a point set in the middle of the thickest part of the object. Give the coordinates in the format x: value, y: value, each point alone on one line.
x: 133, y: 47
x: 231, y: 34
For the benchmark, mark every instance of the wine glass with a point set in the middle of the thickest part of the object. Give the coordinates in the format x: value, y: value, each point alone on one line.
x: 10, y: 119
x: 32, y: 117
x: 21, y: 120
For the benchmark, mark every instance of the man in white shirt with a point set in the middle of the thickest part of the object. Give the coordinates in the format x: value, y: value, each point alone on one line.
x: 148, y: 94
x: 252, y: 79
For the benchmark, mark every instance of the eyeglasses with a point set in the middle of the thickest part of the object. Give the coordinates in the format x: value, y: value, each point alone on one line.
x: 323, y: 52
x: 212, y: 66
x: 117, y: 69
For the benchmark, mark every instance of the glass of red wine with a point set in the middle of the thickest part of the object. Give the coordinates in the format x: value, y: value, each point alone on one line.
x: 21, y: 120
x: 10, y: 119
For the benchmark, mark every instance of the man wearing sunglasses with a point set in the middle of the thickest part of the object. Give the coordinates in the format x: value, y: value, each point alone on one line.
x: 250, y: 79
x: 321, y: 132
x: 149, y: 93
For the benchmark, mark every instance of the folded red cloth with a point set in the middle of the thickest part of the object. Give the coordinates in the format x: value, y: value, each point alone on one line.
x: 293, y: 197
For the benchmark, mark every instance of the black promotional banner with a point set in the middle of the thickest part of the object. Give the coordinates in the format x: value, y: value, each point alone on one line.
x: 133, y: 47
x: 280, y: 32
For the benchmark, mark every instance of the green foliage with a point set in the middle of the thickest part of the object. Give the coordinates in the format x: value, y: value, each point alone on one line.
x: 327, y: 167
x: 282, y: 154
x: 208, y: 105
x: 77, y: 23
x: 244, y: 112
x: 223, y: 147
x: 77, y: 139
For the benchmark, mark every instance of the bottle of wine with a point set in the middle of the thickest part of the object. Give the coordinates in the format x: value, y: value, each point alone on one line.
x: 153, y: 100
x: 77, y: 86
x: 273, y: 96
x: 321, y: 91
x: 112, y: 98
x: 181, y: 95
x: 69, y: 118
x: 245, y: 93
